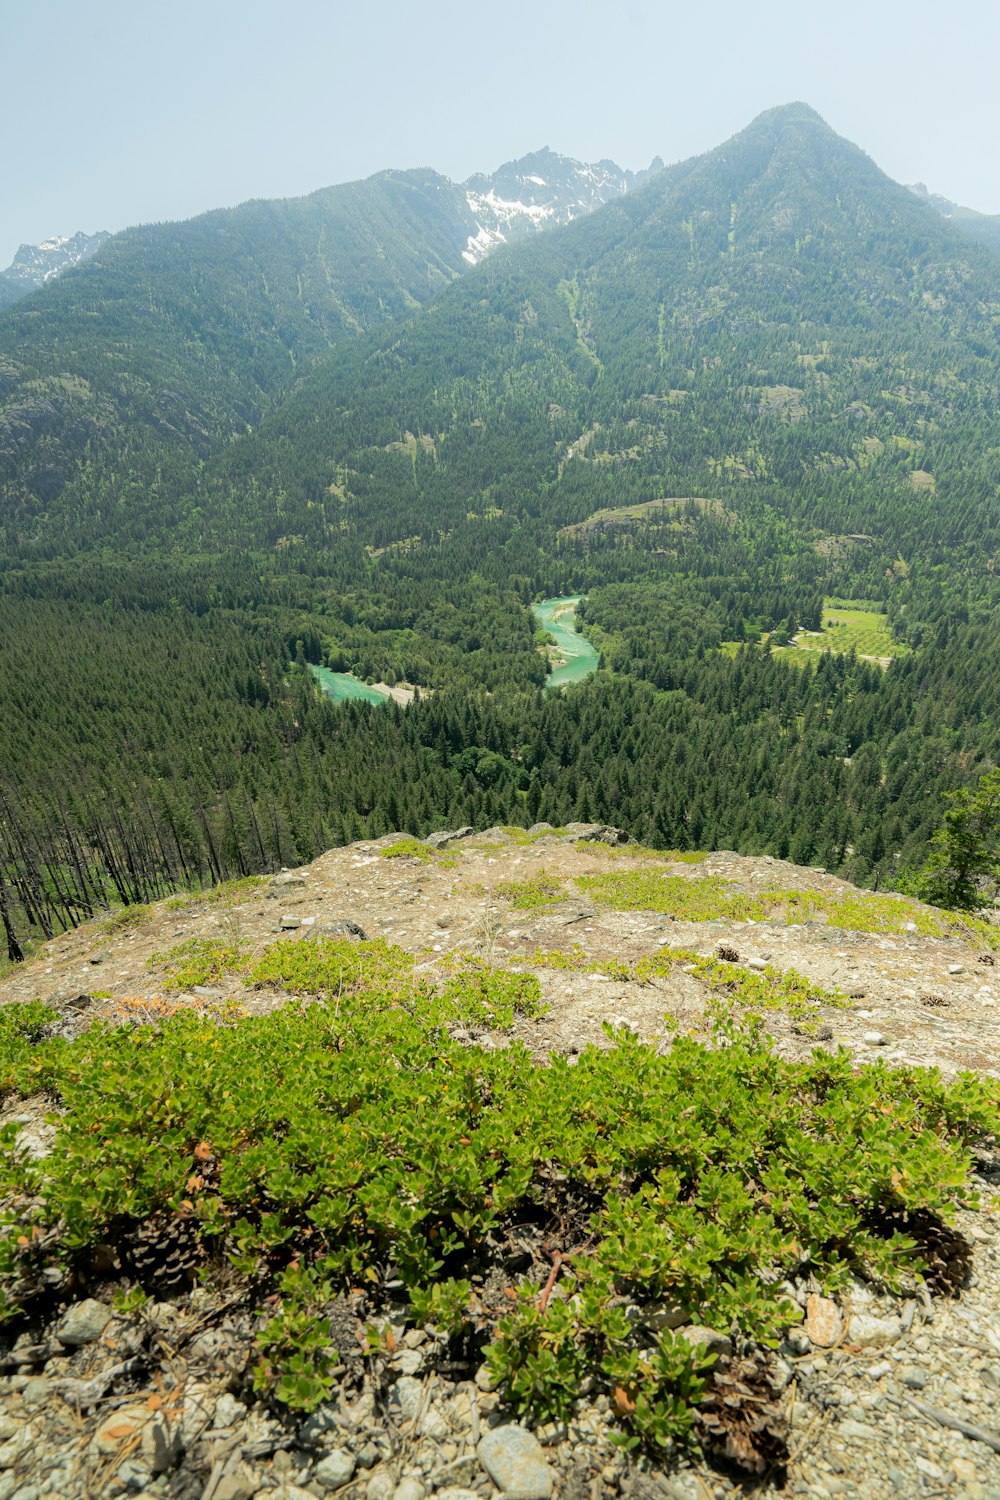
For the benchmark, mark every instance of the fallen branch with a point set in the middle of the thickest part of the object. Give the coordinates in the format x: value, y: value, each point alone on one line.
x: 957, y: 1424
x: 557, y: 1261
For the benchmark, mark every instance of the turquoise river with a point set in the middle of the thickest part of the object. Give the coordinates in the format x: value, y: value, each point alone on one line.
x: 577, y: 657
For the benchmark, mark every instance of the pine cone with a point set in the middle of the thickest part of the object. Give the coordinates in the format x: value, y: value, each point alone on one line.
x: 164, y: 1252
x: 739, y: 1419
x: 947, y: 1255
x: 343, y: 1320
x: 727, y: 955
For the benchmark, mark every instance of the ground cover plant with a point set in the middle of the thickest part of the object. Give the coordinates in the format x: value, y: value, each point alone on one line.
x: 352, y: 1142
x: 539, y: 893
x: 709, y: 898
x: 735, y: 991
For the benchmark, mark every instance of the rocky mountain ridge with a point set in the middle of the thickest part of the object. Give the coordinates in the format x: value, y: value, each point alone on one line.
x: 34, y: 265
x: 876, y: 1393
x: 540, y: 191
x: 969, y: 221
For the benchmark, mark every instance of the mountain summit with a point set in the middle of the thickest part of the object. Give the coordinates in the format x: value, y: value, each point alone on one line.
x: 538, y: 191
x: 34, y: 265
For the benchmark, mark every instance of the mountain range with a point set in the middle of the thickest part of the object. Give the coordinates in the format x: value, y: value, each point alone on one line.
x: 333, y: 430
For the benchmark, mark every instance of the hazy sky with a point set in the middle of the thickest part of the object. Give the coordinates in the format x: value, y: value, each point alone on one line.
x: 115, y: 112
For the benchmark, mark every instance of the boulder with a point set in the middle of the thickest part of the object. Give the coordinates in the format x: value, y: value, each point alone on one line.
x: 443, y: 839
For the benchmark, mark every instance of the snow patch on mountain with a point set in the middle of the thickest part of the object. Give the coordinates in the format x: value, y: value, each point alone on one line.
x: 34, y: 265
x: 539, y: 191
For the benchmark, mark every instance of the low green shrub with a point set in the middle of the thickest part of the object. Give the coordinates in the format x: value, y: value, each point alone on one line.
x: 539, y: 893
x: 709, y: 898
x: 407, y: 848
x: 351, y: 1141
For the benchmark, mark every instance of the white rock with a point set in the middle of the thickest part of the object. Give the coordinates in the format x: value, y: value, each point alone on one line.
x: 868, y: 1331
x: 516, y: 1462
x: 229, y: 1411
x: 335, y: 1469
x: 404, y: 1397
x: 409, y: 1489
x: 83, y: 1323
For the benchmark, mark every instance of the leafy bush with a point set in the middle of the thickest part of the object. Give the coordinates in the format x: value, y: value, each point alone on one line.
x: 709, y: 898
x: 197, y: 961
x: 408, y: 848
x: 539, y: 893
x: 351, y: 1141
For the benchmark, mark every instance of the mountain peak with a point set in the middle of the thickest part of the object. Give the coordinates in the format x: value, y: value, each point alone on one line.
x: 537, y: 191
x: 34, y: 265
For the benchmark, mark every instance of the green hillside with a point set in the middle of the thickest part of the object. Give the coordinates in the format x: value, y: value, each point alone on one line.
x: 176, y: 335
x: 775, y: 328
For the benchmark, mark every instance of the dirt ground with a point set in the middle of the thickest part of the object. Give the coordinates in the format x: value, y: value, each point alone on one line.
x: 915, y: 999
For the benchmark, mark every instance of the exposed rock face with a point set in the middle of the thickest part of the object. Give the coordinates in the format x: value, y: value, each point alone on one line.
x: 33, y: 265
x: 538, y: 191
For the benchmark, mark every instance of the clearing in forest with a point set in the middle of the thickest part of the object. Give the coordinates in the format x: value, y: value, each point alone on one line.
x: 848, y: 625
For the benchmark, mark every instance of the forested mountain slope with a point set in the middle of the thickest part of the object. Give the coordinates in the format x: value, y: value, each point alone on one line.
x: 180, y: 334
x: 968, y: 221
x: 792, y: 352
x: 175, y: 335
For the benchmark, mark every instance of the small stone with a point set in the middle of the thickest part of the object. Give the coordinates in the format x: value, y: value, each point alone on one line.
x: 336, y: 1469
x: 321, y: 1423
x: 131, y: 1475
x: 516, y: 1462
x: 484, y: 1380
x: 706, y: 1340
x: 857, y: 1432
x: 228, y: 1411
x: 83, y: 1323
x: 404, y: 1398
x: 433, y: 1424
x: 119, y: 1427
x: 659, y: 1315
x: 796, y: 1343
x: 454, y: 1492
x: 160, y: 1446
x: 288, y: 877
x: 287, y: 924
x: 408, y: 1362
x: 876, y: 1039
x: 37, y: 1392
x: 368, y: 1456
x: 235, y: 1482
x: 756, y: 963
x: 824, y: 1321
x: 409, y: 1489
x: 956, y: 969
x: 381, y: 1485
x: 914, y: 1378
x: 867, y: 1331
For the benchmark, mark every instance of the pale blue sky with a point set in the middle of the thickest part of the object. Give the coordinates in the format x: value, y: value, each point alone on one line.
x: 116, y: 112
